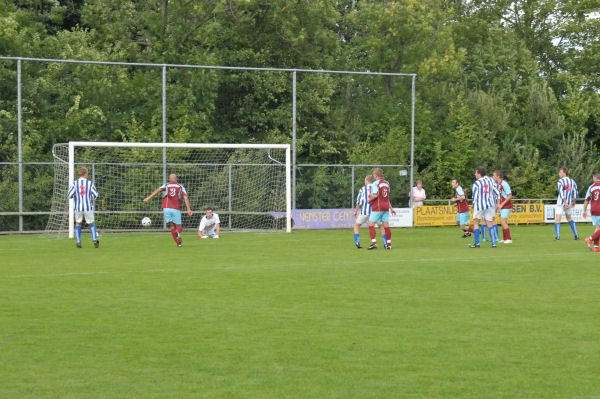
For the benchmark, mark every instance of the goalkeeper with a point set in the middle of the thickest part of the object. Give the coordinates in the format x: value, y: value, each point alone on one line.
x: 210, y: 225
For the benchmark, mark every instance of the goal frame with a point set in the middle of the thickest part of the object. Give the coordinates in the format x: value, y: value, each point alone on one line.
x: 286, y: 147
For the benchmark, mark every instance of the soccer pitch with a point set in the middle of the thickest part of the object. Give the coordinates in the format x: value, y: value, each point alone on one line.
x: 301, y: 315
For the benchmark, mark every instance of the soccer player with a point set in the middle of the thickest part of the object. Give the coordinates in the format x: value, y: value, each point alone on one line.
x: 362, y: 211
x: 593, y: 196
x: 380, y: 209
x: 485, y: 195
x: 462, y: 208
x: 504, y: 205
x: 171, y: 204
x: 363, y: 208
x: 84, y: 192
x: 567, y: 195
x: 210, y: 225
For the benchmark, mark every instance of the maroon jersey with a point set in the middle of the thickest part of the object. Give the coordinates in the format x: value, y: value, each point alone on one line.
x: 594, y: 198
x: 503, y: 195
x: 461, y: 205
x: 173, y: 192
x: 382, y: 203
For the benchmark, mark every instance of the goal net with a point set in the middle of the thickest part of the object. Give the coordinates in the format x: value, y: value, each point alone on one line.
x: 248, y: 185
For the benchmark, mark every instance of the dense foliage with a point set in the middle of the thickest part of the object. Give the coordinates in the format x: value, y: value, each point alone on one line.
x: 504, y: 84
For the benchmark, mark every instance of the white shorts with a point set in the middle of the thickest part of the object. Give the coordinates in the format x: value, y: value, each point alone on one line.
x: 560, y: 210
x: 212, y: 232
x: 487, y: 214
x: 89, y: 217
x: 361, y: 219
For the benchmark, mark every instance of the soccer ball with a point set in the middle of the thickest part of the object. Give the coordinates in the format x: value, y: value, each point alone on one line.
x: 146, y: 222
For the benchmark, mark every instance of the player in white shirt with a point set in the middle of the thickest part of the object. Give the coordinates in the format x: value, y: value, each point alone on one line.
x: 84, y: 193
x: 567, y: 195
x: 210, y: 225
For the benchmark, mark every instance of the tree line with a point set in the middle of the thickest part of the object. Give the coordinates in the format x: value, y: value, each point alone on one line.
x: 511, y: 85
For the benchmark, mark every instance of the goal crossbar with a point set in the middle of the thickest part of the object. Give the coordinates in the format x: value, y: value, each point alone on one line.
x: 286, y: 147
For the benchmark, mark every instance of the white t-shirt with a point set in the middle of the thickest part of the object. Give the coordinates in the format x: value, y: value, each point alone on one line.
x: 207, y: 224
x: 418, y: 193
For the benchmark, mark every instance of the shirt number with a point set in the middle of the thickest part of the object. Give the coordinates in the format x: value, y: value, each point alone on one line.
x: 81, y: 190
x: 486, y: 188
x: 172, y: 192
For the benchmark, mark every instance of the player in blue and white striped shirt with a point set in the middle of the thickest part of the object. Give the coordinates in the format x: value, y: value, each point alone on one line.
x: 485, y: 199
x: 567, y: 195
x: 84, y: 193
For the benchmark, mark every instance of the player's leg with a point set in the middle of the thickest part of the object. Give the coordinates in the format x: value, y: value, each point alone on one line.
x: 78, y: 220
x: 595, y: 238
x: 170, y: 220
x: 382, y: 230
x: 504, y: 215
x: 483, y: 229
x: 388, y: 232
x: 360, y: 220
x: 490, y: 216
x: 572, y: 223
x: 463, y: 220
x: 373, y: 218
x: 476, y: 231
x: 89, y: 218
x: 558, y: 211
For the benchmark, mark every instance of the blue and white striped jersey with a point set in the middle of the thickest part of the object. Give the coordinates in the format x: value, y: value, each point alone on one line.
x: 485, y: 194
x: 567, y: 191
x: 363, y: 200
x: 83, y: 191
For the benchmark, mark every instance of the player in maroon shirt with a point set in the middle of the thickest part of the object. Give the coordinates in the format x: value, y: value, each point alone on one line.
x: 380, y: 209
x: 593, y: 197
x: 462, y: 208
x: 171, y: 204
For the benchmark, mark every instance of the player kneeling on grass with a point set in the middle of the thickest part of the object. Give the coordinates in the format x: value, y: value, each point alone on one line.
x: 171, y: 204
x: 462, y: 208
x: 210, y: 225
x: 593, y: 197
x: 84, y: 193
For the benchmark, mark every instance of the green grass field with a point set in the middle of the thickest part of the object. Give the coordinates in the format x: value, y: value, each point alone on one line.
x: 301, y: 315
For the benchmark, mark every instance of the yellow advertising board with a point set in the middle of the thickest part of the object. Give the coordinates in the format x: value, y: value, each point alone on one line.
x: 445, y: 215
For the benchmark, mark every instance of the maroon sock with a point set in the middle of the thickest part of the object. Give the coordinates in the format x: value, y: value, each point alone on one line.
x: 179, y: 229
x: 372, y: 233
x: 174, y: 234
x: 470, y: 229
x: 596, y: 236
x: 388, y: 234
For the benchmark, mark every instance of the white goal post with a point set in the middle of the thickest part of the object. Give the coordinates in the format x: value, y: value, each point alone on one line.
x: 249, y: 183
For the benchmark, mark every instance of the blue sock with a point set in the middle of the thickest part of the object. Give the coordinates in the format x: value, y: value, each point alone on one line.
x: 476, y: 234
x: 573, y: 228
x: 356, y: 238
x: 78, y: 234
x: 384, y: 238
x: 557, y: 230
x: 494, y: 234
x: 483, y: 228
x: 94, y: 232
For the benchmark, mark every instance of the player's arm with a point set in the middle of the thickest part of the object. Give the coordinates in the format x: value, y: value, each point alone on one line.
x: 201, y: 227
x: 218, y: 230
x: 187, y: 204
x: 585, y: 204
x: 393, y: 212
x: 71, y: 192
x: 148, y: 198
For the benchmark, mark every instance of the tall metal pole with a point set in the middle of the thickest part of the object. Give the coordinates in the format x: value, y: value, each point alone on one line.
x: 294, y: 140
x: 412, y: 140
x: 352, y: 193
x: 164, y: 125
x: 20, y: 143
x: 229, y: 194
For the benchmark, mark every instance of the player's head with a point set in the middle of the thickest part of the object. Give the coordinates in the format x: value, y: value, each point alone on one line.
x: 419, y: 184
x: 209, y: 212
x: 455, y: 183
x: 369, y: 179
x: 82, y: 172
x: 173, y: 177
x: 377, y: 173
x: 562, y: 172
x: 480, y: 172
x: 498, y: 175
x: 596, y: 176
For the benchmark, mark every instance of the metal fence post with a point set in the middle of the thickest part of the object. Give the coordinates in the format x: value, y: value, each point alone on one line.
x: 352, y: 193
x: 229, y: 208
x: 20, y: 142
x: 294, y: 140
x: 164, y: 126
